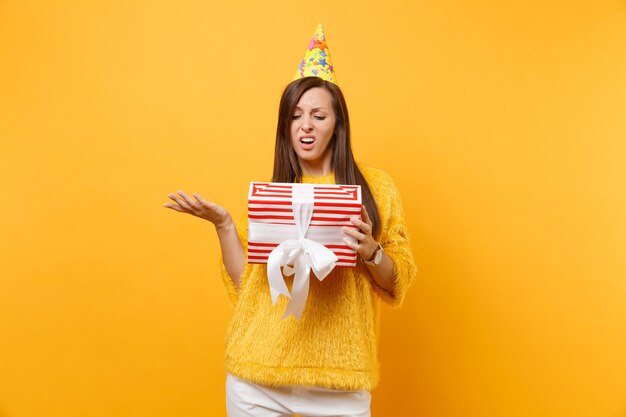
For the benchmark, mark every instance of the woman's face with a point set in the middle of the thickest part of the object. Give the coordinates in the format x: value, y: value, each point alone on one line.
x: 312, y: 128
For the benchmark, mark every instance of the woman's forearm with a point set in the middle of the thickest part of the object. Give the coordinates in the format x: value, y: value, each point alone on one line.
x: 233, y: 254
x: 383, y: 274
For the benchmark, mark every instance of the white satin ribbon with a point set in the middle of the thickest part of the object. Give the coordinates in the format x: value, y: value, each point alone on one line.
x: 298, y: 256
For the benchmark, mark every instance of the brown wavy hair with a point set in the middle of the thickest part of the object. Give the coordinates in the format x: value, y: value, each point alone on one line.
x: 286, y: 165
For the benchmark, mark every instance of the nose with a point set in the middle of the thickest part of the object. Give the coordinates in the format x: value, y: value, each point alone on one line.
x: 306, y: 124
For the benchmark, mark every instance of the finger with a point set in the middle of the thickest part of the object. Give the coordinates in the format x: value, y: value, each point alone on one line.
x: 207, y: 204
x: 365, y: 215
x: 179, y: 201
x: 174, y: 207
x: 190, y: 201
x: 365, y: 228
x: 351, y: 244
x: 353, y: 233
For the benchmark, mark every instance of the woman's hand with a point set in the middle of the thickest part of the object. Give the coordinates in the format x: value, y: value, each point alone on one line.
x: 233, y: 255
x: 201, y: 208
x: 383, y: 273
x: 365, y: 244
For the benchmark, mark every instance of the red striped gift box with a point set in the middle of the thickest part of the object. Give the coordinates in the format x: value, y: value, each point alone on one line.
x: 271, y: 220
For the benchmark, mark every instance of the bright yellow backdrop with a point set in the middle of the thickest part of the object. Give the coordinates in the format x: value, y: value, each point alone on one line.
x: 503, y: 124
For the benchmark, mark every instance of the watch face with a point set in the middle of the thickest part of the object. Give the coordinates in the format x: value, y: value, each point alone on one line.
x: 378, y: 257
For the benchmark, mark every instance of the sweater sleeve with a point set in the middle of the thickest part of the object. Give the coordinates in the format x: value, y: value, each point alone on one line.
x: 394, y: 238
x: 231, y: 289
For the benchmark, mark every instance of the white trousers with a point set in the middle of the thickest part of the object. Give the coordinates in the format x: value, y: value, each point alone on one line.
x: 246, y: 399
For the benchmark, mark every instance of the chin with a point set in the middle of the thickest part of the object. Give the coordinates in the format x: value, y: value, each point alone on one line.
x: 309, y: 158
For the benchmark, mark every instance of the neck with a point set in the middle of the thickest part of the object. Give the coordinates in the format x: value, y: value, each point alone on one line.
x: 313, y: 170
x: 316, y: 168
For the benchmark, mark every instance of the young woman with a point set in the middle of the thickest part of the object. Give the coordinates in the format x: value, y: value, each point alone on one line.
x: 324, y: 364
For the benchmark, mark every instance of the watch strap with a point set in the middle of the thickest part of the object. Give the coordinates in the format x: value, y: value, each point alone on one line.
x: 374, y: 257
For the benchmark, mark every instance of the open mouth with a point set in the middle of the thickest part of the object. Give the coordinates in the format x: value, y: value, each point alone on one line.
x: 307, y: 140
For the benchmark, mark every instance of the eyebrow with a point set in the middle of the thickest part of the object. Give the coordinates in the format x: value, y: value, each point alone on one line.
x: 314, y: 109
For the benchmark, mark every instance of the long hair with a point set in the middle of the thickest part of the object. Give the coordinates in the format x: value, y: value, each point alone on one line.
x: 286, y: 165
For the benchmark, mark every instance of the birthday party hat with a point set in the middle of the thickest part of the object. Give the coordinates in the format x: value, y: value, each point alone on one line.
x: 316, y: 61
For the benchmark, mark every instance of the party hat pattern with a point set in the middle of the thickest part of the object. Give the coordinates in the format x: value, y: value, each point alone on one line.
x: 316, y: 61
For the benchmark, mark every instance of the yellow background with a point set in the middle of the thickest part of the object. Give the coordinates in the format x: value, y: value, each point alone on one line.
x: 502, y: 123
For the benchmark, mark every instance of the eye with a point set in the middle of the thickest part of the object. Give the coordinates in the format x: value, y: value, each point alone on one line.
x: 320, y: 117
x: 295, y: 117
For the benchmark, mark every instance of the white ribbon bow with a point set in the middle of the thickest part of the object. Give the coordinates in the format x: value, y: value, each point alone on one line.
x: 298, y: 256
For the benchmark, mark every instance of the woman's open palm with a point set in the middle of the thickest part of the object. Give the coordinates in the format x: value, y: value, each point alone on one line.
x: 199, y: 207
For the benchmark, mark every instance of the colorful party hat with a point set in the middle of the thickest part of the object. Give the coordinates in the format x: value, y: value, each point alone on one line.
x: 316, y: 61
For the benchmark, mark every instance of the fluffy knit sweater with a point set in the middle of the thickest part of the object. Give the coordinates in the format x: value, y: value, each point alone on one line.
x: 334, y: 344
